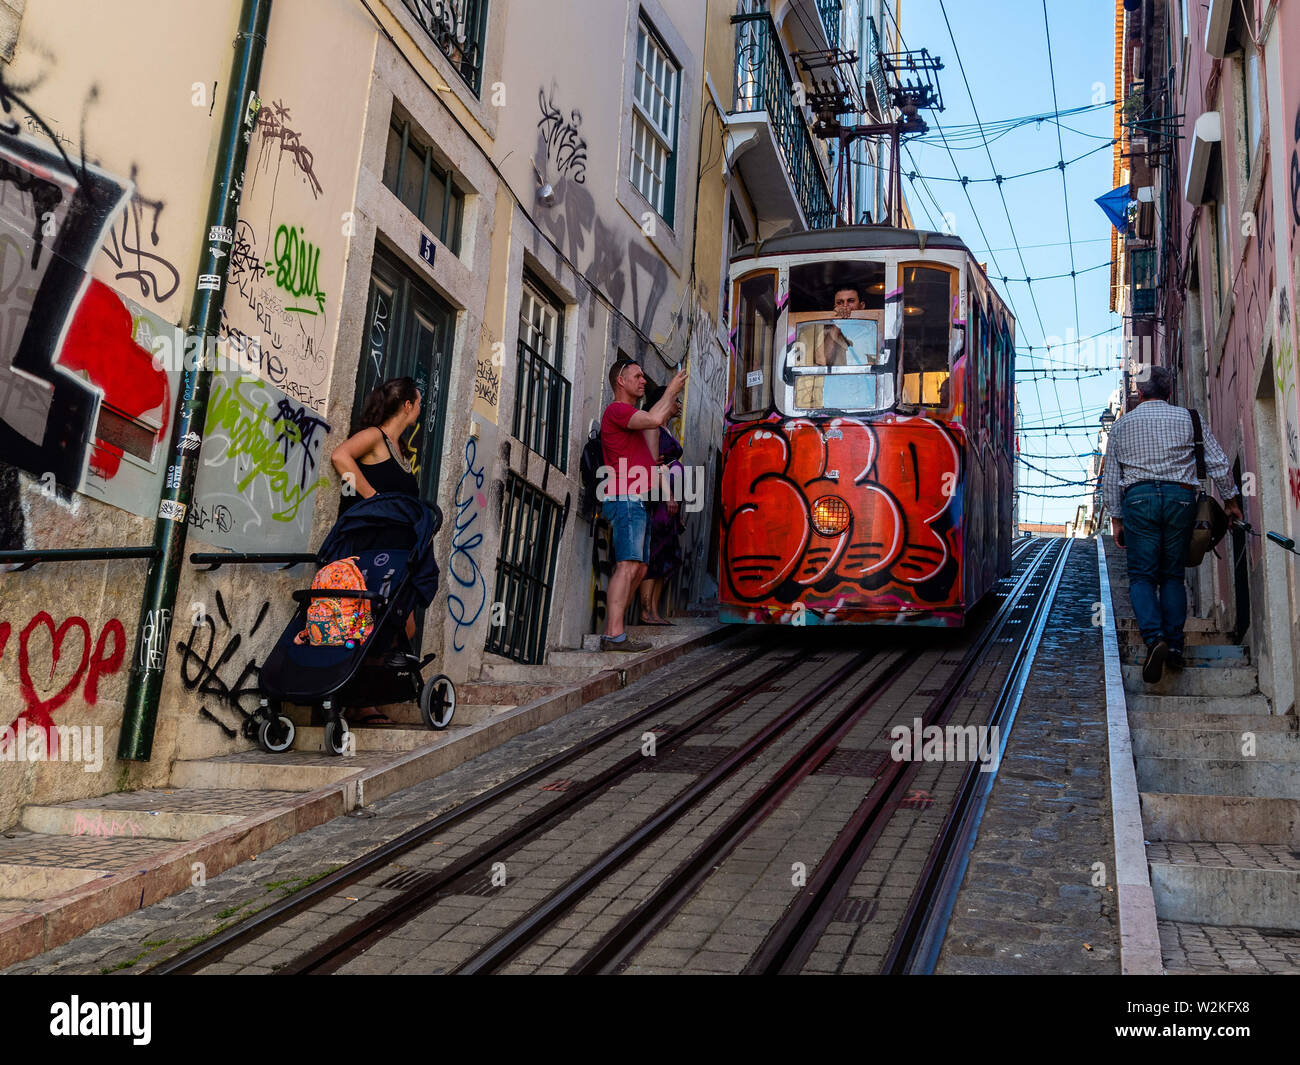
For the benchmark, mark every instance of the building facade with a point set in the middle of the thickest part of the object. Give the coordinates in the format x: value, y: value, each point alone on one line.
x: 494, y: 197
x: 1208, y: 124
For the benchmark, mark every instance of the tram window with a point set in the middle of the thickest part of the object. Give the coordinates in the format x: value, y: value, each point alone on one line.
x: 756, y: 313
x: 837, y: 359
x: 927, y: 329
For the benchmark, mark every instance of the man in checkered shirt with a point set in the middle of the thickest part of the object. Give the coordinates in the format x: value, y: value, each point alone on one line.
x: 1149, y: 486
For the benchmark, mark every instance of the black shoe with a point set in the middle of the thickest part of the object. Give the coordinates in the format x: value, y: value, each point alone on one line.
x: 1175, y: 660
x: 1155, y: 663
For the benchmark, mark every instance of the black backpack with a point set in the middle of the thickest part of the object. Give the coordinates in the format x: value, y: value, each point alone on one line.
x: 593, y: 458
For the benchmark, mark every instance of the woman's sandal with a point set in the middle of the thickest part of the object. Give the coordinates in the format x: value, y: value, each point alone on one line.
x: 369, y: 717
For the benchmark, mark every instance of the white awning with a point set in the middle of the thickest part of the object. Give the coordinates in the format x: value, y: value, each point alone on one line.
x: 1208, y: 133
x: 1217, y: 25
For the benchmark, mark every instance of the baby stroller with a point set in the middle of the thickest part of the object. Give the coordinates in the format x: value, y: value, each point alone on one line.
x: 391, y: 537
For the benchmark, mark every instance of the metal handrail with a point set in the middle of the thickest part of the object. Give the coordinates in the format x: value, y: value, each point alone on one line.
x: 28, y: 559
x: 764, y: 83
x: 214, y: 560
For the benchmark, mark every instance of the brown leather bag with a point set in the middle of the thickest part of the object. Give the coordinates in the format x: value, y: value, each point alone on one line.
x: 1211, y: 524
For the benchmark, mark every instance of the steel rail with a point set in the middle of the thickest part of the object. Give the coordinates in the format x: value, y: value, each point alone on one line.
x: 519, y: 935
x: 916, y: 947
x: 639, y: 925
x: 790, y: 942
x: 348, y: 942
x: 218, y: 946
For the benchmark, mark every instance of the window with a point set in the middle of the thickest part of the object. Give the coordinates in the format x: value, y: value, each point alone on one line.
x: 927, y: 331
x: 413, y: 175
x: 654, y: 122
x: 456, y: 27
x: 755, y: 334
x: 409, y: 333
x: 837, y: 359
x: 1250, y: 95
x: 736, y: 238
x: 531, y: 524
x: 1222, y: 255
x: 542, y: 400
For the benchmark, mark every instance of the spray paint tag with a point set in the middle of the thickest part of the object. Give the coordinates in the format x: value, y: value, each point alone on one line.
x: 753, y: 379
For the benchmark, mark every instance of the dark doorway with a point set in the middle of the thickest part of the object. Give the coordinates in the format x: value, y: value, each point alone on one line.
x: 1240, y: 571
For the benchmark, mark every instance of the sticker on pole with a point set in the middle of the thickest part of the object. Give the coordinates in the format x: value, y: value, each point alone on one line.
x: 753, y: 379
x: 221, y: 233
x: 171, y: 509
x: 211, y: 282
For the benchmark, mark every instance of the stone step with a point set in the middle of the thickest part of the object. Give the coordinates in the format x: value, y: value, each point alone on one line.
x: 312, y: 738
x: 1208, y: 680
x: 1181, y: 818
x: 1198, y: 704
x: 1196, y: 654
x: 491, y: 694
x: 656, y: 635
x: 71, y: 819
x: 259, y: 771
x: 1197, y: 625
x: 1269, y: 746
x: 1249, y: 885
x: 43, y: 881
x: 1219, y: 776
x: 1179, y: 719
x: 553, y: 672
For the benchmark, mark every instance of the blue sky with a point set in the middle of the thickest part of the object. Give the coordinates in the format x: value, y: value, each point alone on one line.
x: 1003, y: 45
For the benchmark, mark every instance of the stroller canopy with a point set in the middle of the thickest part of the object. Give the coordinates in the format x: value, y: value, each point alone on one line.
x: 392, y: 521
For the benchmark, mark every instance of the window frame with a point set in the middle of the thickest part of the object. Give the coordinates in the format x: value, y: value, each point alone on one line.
x: 954, y: 293
x: 554, y: 438
x: 743, y: 410
x: 453, y: 200
x: 668, y: 183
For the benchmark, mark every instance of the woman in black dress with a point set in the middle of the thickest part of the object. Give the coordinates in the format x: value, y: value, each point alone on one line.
x: 371, y: 461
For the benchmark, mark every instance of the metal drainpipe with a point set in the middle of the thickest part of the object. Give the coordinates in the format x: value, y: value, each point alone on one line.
x: 144, y: 686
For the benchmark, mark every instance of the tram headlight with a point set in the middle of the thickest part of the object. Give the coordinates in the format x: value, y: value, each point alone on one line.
x: 830, y: 515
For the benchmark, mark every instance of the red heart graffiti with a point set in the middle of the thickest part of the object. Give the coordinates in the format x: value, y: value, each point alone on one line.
x: 37, y: 710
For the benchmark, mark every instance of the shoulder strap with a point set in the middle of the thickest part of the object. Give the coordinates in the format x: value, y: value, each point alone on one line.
x: 1198, y: 444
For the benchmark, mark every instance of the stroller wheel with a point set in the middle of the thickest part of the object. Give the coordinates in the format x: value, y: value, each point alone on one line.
x: 275, y: 734
x: 337, y: 740
x: 438, y: 701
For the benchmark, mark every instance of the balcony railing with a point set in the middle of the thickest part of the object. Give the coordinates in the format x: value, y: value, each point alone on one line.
x: 542, y: 407
x: 764, y: 83
x: 457, y: 28
x: 830, y: 11
x: 1143, y: 272
x: 877, y: 67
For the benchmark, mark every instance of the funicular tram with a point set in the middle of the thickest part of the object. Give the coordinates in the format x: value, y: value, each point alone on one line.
x: 868, y: 455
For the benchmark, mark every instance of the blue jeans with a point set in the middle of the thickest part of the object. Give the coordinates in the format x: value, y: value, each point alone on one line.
x: 1158, y: 520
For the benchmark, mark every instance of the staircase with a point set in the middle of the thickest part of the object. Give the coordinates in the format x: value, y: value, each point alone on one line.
x: 1219, y: 776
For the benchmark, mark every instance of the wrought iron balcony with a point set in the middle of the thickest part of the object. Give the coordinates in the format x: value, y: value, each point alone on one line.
x: 830, y: 11
x: 765, y: 86
x: 878, y: 82
x: 457, y: 27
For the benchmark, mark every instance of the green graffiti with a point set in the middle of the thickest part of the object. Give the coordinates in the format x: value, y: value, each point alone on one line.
x: 267, y: 438
x: 294, y: 268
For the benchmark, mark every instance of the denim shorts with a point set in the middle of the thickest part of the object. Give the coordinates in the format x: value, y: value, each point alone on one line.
x: 631, y: 523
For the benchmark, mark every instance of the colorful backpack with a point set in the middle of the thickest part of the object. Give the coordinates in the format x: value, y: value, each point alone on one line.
x: 336, y: 622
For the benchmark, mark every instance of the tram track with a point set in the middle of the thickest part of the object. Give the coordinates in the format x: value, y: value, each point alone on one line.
x: 217, y: 947
x: 781, y: 951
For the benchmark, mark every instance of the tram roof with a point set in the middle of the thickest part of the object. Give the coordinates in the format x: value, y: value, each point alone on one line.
x: 849, y: 238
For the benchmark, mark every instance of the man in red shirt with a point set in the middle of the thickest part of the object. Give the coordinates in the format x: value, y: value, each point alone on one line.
x: 630, y: 441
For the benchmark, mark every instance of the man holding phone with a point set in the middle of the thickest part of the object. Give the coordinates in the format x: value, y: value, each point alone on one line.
x: 630, y: 441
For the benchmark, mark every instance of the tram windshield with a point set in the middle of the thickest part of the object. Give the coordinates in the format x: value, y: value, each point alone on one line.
x: 836, y: 359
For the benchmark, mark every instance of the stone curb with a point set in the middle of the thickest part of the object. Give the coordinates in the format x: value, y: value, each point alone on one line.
x: 51, y: 922
x: 1139, y: 933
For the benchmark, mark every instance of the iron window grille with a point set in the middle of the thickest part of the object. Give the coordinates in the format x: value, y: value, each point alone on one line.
x: 543, y: 398
x: 531, y: 523
x: 426, y: 189
x: 654, y: 122
x: 1144, y: 280
x: 830, y: 11
x: 457, y: 27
